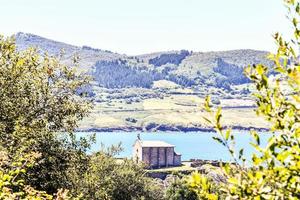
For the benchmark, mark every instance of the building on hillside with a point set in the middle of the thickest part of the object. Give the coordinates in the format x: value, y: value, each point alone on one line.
x: 155, y: 154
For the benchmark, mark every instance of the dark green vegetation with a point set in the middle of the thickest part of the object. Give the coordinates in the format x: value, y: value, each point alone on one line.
x: 39, y: 98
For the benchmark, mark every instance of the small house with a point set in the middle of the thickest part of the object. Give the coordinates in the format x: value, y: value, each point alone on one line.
x: 155, y: 154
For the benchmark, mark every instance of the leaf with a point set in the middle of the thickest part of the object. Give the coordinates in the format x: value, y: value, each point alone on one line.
x: 233, y: 180
x: 260, y: 69
x: 227, y: 134
x: 255, y: 136
x: 295, y: 22
x: 241, y: 153
x: 206, y: 119
x: 219, y: 140
x: 218, y: 114
x: 207, y: 104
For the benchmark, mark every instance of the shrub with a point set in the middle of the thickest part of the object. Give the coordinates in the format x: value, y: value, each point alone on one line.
x: 109, y: 178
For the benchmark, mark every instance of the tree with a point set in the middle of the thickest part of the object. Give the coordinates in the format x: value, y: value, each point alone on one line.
x: 274, y: 171
x: 39, y: 99
x: 107, y: 178
x: 13, y: 186
x: 41, y: 102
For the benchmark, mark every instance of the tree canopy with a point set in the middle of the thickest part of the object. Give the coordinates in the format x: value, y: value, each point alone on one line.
x: 41, y: 103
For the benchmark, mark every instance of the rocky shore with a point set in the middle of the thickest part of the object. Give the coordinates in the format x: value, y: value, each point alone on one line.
x: 209, y: 168
x: 163, y: 127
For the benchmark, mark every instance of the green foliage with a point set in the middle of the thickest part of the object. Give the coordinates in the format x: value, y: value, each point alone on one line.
x: 12, y: 185
x: 192, y: 187
x: 180, y: 190
x: 274, y: 171
x: 38, y: 100
x: 107, y: 178
x: 40, y: 106
x: 204, y: 188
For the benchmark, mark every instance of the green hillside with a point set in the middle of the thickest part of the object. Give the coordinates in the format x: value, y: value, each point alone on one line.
x: 159, y: 91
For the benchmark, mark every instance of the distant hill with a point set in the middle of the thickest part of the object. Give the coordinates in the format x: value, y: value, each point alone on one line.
x: 221, y: 69
x: 88, y: 55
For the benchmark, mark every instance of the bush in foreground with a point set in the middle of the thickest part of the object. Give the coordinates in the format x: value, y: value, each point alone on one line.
x: 274, y: 171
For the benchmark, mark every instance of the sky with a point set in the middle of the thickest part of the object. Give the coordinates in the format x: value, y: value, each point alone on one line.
x: 142, y: 26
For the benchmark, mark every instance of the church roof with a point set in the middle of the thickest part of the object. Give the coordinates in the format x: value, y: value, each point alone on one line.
x: 154, y: 143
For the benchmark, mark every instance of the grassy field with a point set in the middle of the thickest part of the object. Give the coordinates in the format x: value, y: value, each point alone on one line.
x: 172, y: 110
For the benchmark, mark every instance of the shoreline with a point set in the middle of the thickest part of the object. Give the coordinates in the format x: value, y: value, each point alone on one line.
x: 167, y: 128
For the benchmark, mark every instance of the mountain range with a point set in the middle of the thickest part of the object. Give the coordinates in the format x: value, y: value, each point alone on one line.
x: 185, y: 68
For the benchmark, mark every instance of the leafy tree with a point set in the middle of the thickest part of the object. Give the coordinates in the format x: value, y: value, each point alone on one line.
x: 41, y: 102
x: 274, y: 171
x: 39, y: 99
x: 13, y: 186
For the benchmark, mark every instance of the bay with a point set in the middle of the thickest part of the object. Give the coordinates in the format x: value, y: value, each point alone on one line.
x: 191, y: 145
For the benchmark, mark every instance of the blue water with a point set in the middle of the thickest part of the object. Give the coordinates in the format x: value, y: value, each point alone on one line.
x: 190, y: 145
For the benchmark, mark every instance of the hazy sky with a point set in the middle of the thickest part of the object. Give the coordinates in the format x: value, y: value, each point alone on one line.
x: 142, y: 26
